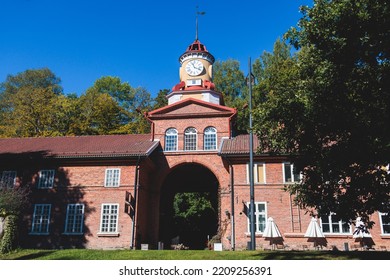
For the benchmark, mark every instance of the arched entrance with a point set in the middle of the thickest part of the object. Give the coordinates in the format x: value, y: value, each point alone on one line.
x: 189, y: 206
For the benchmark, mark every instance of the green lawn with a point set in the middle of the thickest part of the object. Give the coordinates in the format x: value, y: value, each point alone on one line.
x: 84, y: 254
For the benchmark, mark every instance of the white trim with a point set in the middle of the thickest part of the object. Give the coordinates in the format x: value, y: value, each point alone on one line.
x: 75, y: 215
x: 255, y: 176
x: 381, y: 224
x: 112, y: 179
x: 340, y: 223
x: 49, y: 179
x: 257, y: 213
x: 190, y: 134
x: 176, y: 134
x: 292, y: 173
x: 109, y: 220
x: 39, y: 230
x: 215, y: 133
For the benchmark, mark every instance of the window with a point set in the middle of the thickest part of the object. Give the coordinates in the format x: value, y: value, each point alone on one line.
x: 109, y: 218
x: 210, y: 138
x: 289, y: 173
x: 171, y: 140
x: 46, y: 179
x: 74, y: 219
x: 258, y: 173
x: 8, y: 179
x: 190, y: 139
x: 332, y: 224
x: 41, y: 219
x: 385, y: 223
x: 260, y: 216
x: 112, y: 178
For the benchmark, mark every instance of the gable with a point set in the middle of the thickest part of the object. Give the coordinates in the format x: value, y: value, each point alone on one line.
x: 191, y: 108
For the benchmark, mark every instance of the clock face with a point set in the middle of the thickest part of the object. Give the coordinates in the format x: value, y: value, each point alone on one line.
x: 194, y: 67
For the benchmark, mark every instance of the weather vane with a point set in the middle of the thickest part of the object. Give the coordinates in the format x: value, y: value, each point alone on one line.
x: 197, y: 14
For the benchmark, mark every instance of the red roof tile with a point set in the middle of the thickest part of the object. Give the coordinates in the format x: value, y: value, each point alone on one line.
x: 81, y: 146
x: 238, y: 145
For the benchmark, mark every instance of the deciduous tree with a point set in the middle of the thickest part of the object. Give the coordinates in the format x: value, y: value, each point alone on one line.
x: 337, y: 120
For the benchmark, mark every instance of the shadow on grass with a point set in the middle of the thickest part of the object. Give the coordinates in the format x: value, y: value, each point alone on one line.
x: 321, y: 255
x: 36, y: 255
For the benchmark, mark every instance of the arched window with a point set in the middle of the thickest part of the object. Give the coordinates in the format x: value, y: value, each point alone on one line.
x: 171, y: 140
x: 190, y: 139
x: 210, y: 138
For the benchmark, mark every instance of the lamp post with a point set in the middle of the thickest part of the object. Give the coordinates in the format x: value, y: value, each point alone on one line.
x: 251, y: 183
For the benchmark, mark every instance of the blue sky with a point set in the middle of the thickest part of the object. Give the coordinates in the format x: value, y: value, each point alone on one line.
x: 138, y: 41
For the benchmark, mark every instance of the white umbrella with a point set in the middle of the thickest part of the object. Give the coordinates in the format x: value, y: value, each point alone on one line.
x: 271, y: 231
x: 314, y: 229
x: 361, y: 230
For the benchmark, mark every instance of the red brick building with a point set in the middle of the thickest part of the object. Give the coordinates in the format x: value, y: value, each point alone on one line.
x: 117, y: 191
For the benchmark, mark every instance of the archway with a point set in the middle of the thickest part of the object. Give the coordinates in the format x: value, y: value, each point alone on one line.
x: 189, y: 206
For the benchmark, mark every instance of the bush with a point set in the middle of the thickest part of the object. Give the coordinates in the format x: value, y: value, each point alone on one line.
x: 8, y: 242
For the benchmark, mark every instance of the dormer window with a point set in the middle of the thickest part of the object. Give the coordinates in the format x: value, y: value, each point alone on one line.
x: 190, y: 136
x: 171, y: 140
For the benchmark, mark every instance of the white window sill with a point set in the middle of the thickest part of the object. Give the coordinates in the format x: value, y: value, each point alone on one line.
x: 108, y: 234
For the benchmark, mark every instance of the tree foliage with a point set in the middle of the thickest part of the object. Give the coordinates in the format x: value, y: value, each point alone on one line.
x: 337, y: 116
x: 13, y: 200
x: 27, y: 103
x: 230, y: 81
x: 276, y: 98
x: 192, y: 210
x: 32, y: 104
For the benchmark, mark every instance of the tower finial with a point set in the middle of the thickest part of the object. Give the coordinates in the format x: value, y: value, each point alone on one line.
x: 196, y: 27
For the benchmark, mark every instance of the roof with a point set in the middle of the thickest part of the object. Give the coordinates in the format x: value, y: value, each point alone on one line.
x: 238, y: 145
x: 111, y: 146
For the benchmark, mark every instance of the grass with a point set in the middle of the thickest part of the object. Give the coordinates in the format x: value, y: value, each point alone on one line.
x: 85, y: 254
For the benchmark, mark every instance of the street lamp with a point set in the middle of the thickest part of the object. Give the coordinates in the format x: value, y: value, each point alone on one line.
x: 251, y: 183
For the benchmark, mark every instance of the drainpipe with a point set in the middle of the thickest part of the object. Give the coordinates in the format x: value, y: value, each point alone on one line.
x: 233, y: 237
x: 232, y: 219
x: 230, y: 132
x: 136, y: 175
x: 146, y: 115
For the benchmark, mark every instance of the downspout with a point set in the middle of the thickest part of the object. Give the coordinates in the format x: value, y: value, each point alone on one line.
x: 136, y: 179
x: 152, y: 125
x: 232, y: 216
x: 231, y: 123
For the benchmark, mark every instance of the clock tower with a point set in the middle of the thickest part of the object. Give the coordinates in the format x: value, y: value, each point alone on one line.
x: 195, y: 72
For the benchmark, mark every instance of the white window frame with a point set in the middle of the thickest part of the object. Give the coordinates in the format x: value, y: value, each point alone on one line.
x: 46, y: 179
x: 331, y: 222
x: 209, y: 132
x: 257, y: 215
x: 41, y: 219
x: 190, y: 139
x: 74, y: 222
x: 8, y: 179
x: 171, y: 145
x: 109, y: 221
x: 292, y: 174
x: 383, y: 224
x: 255, y: 176
x: 110, y: 178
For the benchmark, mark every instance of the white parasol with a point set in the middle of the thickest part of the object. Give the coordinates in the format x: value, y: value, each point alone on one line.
x: 271, y: 229
x: 314, y: 230
x: 361, y: 230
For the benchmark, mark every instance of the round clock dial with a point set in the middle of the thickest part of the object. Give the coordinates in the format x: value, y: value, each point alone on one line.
x: 194, y: 67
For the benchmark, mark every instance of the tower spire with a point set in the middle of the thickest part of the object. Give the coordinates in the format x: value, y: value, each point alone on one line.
x: 196, y: 24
